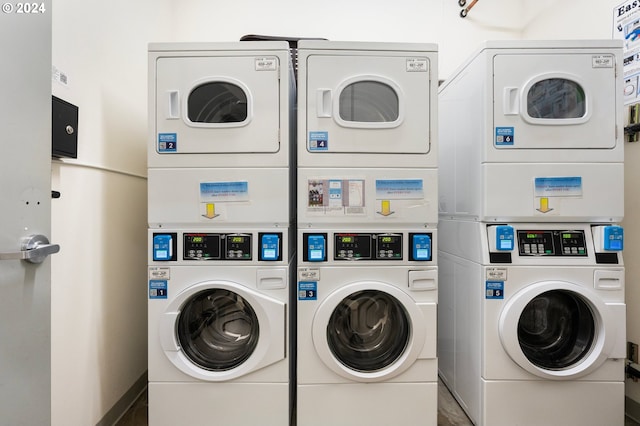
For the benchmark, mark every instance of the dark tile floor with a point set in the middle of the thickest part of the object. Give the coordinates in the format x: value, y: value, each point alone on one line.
x: 449, y: 412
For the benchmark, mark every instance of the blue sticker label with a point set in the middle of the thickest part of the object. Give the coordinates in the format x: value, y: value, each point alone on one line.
x: 566, y: 186
x: 318, y: 141
x: 307, y: 290
x: 224, y: 191
x: 494, y: 290
x: 158, y: 289
x: 167, y: 142
x: 399, y: 189
x: 504, y: 136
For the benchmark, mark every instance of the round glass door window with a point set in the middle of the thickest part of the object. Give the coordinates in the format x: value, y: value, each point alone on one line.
x: 218, y: 329
x: 368, y: 331
x: 556, y: 330
x: 556, y: 98
x: 217, y: 102
x: 369, y: 102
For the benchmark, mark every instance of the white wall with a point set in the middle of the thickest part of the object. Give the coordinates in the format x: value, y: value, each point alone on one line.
x: 430, y: 21
x: 594, y: 19
x: 99, y: 330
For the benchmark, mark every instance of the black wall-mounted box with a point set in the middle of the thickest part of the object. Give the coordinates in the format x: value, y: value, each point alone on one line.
x: 64, y: 129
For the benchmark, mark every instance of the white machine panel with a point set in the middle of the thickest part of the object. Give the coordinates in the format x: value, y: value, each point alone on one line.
x: 569, y: 104
x: 209, y: 102
x: 374, y: 100
x: 367, y: 196
x: 217, y: 197
x: 503, y: 158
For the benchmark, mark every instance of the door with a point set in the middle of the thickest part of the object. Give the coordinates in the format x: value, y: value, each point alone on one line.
x: 25, y: 173
x: 220, y: 330
x: 555, y: 101
x: 218, y: 104
x: 369, y: 331
x: 557, y: 330
x: 368, y: 104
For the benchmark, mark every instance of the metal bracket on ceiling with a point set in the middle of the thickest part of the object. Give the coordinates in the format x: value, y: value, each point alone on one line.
x: 465, y: 11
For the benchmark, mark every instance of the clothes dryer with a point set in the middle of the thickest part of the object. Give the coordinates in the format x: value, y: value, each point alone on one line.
x: 367, y: 104
x: 531, y: 322
x: 366, y: 327
x: 211, y: 102
x: 218, y: 327
x: 533, y: 131
x: 221, y: 129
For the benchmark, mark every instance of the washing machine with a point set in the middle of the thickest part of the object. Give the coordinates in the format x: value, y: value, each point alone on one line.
x: 221, y: 132
x: 366, y: 326
x: 218, y: 326
x: 367, y: 104
x: 531, y: 322
x: 533, y: 131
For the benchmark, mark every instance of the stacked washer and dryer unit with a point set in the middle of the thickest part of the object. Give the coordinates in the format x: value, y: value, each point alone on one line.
x: 221, y: 207
x: 531, y: 323
x: 367, y: 281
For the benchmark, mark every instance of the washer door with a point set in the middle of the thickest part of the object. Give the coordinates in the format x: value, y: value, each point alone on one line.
x: 369, y: 331
x: 557, y: 330
x: 218, y: 330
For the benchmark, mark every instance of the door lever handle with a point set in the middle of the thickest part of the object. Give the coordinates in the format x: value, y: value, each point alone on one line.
x: 33, y: 249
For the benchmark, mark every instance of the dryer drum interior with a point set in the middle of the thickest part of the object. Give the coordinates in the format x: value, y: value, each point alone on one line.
x: 368, y: 331
x: 556, y: 330
x: 369, y: 102
x: 217, y: 102
x: 556, y: 98
x: 218, y: 330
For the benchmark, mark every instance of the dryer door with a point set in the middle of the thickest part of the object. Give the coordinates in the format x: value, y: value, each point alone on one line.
x: 368, y: 104
x: 218, y: 104
x: 557, y: 330
x: 554, y: 101
x: 369, y: 331
x: 218, y: 330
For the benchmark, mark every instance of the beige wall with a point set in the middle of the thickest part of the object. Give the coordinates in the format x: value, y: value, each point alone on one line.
x: 99, y: 330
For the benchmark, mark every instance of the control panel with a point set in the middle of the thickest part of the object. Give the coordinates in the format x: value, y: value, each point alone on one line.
x: 504, y: 238
x: 217, y: 246
x: 420, y: 247
x: 270, y: 247
x: 369, y: 246
x: 212, y: 246
x: 551, y: 243
x: 163, y: 246
x: 315, y: 247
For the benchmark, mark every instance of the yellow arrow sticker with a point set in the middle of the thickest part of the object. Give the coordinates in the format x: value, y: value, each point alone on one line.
x: 210, y: 212
x: 544, y: 205
x: 385, y: 208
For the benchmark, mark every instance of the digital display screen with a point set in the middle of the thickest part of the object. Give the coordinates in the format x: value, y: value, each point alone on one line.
x: 573, y: 243
x: 237, y: 247
x: 201, y: 246
x: 536, y: 243
x: 552, y: 243
x: 352, y: 246
x: 388, y: 247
